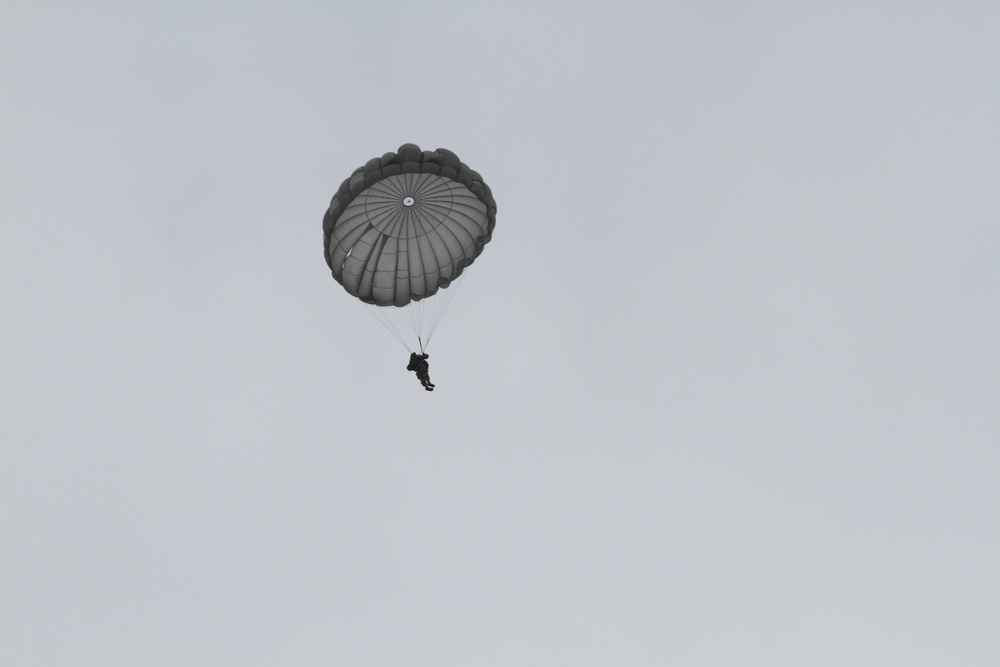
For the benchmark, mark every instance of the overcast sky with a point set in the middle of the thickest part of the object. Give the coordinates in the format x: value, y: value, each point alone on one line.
x: 722, y: 390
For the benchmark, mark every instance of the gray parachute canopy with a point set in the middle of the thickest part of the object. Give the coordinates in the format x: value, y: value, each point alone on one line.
x: 406, y: 224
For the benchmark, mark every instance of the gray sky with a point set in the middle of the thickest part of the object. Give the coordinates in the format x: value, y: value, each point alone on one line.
x: 722, y: 390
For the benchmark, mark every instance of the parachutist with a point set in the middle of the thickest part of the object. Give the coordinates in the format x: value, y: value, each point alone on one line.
x: 418, y: 364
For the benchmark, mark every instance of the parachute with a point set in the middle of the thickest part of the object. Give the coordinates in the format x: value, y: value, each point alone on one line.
x: 400, y: 232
